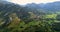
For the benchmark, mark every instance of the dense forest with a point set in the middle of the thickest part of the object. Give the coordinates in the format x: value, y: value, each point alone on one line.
x: 29, y: 18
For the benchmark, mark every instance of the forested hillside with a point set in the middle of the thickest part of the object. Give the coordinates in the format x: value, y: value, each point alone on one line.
x: 29, y: 18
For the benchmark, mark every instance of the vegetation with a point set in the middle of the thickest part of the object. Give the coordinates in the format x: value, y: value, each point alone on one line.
x: 16, y: 18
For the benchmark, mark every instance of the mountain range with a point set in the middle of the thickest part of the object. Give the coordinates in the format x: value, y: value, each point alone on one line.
x: 23, y: 12
x: 54, y: 6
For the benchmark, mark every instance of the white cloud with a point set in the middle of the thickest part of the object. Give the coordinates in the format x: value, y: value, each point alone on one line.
x: 30, y: 1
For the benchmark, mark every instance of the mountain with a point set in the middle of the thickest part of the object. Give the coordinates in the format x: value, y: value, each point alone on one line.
x: 54, y: 6
x: 29, y: 18
x: 6, y: 9
x: 27, y: 12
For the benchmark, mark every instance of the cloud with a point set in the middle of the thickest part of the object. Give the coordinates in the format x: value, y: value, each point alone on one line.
x: 30, y: 1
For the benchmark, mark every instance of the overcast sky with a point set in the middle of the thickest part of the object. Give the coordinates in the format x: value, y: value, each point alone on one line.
x: 31, y: 1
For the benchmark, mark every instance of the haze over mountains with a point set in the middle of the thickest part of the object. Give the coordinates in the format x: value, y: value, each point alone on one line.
x: 54, y: 6
x: 48, y: 6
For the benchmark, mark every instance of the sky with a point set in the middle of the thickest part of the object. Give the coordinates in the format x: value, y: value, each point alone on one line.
x: 23, y: 2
